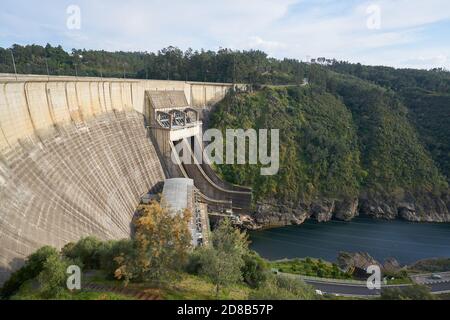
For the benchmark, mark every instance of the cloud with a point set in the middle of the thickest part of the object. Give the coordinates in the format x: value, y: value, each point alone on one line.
x: 283, y: 28
x: 398, y: 14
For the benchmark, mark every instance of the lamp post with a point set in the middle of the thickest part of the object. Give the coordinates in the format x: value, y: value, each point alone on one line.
x: 14, y: 63
x: 48, y: 71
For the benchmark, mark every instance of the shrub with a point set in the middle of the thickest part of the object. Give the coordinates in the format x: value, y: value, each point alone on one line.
x: 255, y: 269
x: 283, y: 288
x: 52, y: 278
x: 223, y: 260
x: 86, y: 250
x: 413, y: 292
x: 33, y: 266
x: 110, y: 250
x: 194, y: 263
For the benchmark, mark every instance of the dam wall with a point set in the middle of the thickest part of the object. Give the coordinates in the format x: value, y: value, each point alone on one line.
x: 75, y: 158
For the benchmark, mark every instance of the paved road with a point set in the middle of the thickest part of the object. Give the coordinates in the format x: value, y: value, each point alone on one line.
x: 350, y: 289
x: 344, y: 289
x: 427, y: 278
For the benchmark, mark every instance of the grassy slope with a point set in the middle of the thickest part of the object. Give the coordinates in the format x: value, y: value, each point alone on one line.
x: 188, y: 287
x: 29, y: 292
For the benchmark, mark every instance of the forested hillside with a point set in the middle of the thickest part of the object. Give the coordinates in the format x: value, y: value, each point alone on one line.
x: 319, y: 153
x: 345, y: 149
x: 225, y: 65
x: 426, y: 94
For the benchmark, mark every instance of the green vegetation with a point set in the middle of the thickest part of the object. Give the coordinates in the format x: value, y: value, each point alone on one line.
x: 28, y: 292
x: 413, y: 292
x: 397, y: 277
x: 226, y: 269
x: 157, y: 261
x: 160, y: 247
x: 33, y: 268
x: 428, y: 111
x: 53, y: 277
x: 283, y: 288
x: 228, y: 262
x: 310, y: 267
x: 391, y: 151
x: 399, y: 112
x: 254, y: 271
x: 431, y: 265
x: 221, y: 262
x: 90, y: 253
x: 319, y: 152
x: 171, y: 63
x: 354, y: 131
x: 194, y: 287
x: 352, y: 139
x: 426, y: 96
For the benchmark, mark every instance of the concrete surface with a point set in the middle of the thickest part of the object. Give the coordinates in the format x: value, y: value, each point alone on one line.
x: 75, y: 157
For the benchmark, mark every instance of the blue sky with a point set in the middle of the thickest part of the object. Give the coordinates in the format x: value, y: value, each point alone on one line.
x: 407, y: 33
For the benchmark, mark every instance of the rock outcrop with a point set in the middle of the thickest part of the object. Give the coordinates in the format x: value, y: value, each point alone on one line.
x: 356, y: 260
x: 273, y: 213
x: 378, y: 209
x: 419, y: 208
x: 391, y: 265
x: 346, y: 210
x: 322, y: 211
x: 360, y: 261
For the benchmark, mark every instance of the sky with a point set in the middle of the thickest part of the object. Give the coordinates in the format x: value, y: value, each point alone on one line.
x: 399, y: 33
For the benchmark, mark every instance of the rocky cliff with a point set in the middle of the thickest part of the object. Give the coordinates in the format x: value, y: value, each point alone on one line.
x: 424, y: 208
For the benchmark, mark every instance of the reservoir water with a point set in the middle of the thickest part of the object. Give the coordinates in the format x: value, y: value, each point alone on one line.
x: 406, y: 241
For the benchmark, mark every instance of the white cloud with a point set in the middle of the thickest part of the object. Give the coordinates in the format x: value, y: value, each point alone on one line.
x: 283, y: 28
x: 398, y: 14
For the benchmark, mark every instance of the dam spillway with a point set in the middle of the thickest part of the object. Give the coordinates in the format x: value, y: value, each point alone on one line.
x: 75, y: 158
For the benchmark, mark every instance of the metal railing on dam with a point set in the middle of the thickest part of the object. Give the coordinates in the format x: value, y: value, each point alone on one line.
x: 75, y: 158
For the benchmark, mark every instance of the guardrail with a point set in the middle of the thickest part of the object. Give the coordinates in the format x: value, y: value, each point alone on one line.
x: 328, y: 280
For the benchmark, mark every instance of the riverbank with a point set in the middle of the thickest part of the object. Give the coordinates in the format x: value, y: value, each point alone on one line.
x: 420, y: 207
x: 405, y: 241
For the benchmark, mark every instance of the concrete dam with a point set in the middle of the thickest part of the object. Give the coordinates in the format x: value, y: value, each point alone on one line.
x: 78, y: 154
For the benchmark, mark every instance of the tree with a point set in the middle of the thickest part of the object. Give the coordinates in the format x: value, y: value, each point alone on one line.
x: 87, y: 250
x: 110, y: 251
x: 222, y: 261
x: 52, y: 278
x: 255, y: 270
x: 33, y: 266
x: 160, y: 246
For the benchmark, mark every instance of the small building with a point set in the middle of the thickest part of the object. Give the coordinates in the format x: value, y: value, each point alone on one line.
x: 148, y: 198
x: 179, y: 194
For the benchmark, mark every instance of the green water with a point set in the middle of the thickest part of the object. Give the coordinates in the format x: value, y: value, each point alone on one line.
x: 405, y: 241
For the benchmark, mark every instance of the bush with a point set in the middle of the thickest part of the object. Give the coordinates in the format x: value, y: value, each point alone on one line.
x: 33, y: 266
x: 52, y: 278
x: 110, y: 251
x: 223, y: 261
x: 87, y: 250
x: 255, y: 270
x: 194, y: 264
x: 283, y: 288
x: 413, y: 292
